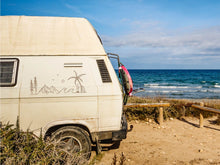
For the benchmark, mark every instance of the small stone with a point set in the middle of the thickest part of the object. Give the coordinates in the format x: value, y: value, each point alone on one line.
x: 171, y: 118
x: 129, y: 160
x: 200, y: 150
x: 150, y: 120
x: 158, y: 127
x: 210, y: 160
x: 136, y: 121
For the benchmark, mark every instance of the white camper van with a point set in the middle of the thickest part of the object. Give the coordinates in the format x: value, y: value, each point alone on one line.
x: 57, y: 79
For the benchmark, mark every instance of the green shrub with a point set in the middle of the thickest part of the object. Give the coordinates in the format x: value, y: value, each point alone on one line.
x: 24, y: 148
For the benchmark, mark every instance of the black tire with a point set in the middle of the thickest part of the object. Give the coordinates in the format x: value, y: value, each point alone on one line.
x: 115, y: 145
x: 73, y: 140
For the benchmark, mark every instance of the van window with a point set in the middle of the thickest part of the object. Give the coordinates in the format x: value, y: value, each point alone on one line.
x: 8, y: 71
x: 103, y: 71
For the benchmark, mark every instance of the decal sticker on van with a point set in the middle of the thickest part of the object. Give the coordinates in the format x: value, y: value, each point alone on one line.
x: 77, y: 86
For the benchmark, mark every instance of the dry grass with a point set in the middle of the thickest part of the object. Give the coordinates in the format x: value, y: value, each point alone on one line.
x: 19, y: 147
x: 178, y: 108
x: 121, y: 160
x: 23, y: 148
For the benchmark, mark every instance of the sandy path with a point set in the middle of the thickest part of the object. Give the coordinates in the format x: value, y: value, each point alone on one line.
x: 176, y: 142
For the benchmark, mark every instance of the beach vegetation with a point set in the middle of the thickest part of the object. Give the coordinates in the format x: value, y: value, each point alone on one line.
x: 18, y: 147
x: 178, y: 108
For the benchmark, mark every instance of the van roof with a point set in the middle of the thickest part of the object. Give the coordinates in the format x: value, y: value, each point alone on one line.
x: 31, y: 35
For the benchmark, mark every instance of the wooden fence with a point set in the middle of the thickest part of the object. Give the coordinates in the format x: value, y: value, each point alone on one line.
x: 201, y: 107
x: 159, y: 105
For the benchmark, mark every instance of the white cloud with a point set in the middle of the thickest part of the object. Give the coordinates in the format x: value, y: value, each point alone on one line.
x: 200, y: 42
x: 73, y: 8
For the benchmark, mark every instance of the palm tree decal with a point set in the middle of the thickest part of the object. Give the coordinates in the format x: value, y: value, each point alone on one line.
x: 78, y: 82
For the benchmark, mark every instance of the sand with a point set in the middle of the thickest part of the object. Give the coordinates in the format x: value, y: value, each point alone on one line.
x: 176, y: 142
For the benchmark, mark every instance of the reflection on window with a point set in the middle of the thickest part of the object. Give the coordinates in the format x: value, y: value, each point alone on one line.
x: 8, y: 71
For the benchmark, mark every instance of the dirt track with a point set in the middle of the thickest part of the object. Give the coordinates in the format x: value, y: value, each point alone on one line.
x: 176, y: 142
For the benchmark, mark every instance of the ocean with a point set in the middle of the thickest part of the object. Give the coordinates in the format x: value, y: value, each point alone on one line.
x: 177, y: 84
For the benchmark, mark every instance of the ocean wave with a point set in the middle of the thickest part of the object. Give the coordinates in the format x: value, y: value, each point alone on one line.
x: 214, y: 91
x: 169, y: 87
x: 181, y: 91
x: 186, y: 83
x: 165, y: 91
x: 198, y: 87
x: 146, y: 85
x: 204, y: 90
x: 209, y: 91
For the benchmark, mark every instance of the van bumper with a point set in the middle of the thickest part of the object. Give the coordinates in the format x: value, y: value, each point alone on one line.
x: 122, y: 134
x: 112, y: 135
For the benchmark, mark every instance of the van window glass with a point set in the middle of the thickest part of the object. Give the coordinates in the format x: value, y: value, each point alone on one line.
x: 103, y: 71
x: 8, y: 72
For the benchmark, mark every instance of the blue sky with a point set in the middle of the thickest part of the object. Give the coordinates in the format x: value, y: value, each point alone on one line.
x: 147, y: 34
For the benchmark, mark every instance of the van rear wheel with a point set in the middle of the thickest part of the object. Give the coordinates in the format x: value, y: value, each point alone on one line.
x: 73, y: 140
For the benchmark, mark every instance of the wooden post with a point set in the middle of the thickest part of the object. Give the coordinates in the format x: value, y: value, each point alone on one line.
x: 218, y: 120
x: 161, y: 114
x: 183, y: 113
x: 201, y: 116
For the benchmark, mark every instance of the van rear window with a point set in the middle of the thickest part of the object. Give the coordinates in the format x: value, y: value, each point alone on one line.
x: 103, y: 71
x: 8, y: 71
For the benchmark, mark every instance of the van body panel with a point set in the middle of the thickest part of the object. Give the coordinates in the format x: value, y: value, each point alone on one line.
x: 32, y: 35
x: 9, y: 110
x: 60, y: 80
x: 109, y: 113
x: 62, y: 90
x: 40, y: 112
